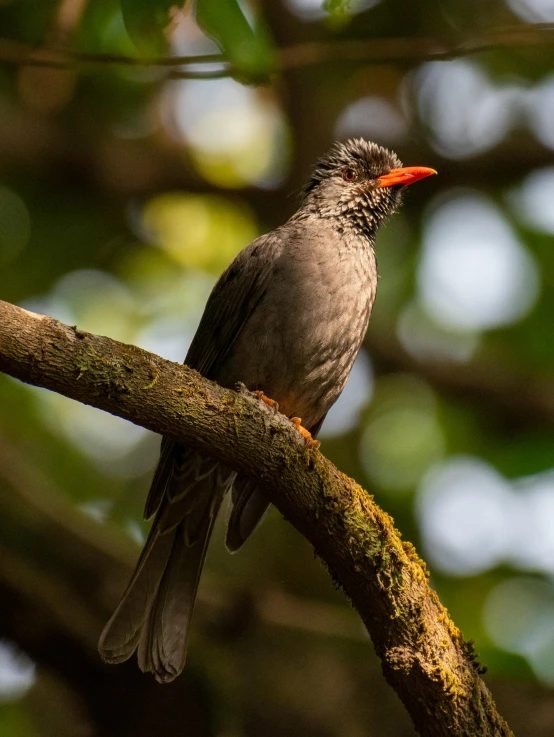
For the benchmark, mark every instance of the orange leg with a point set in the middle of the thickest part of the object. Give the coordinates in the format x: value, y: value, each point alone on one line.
x: 266, y: 400
x: 297, y: 422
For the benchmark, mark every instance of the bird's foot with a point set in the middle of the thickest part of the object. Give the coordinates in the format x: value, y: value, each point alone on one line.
x: 266, y: 400
x: 297, y: 422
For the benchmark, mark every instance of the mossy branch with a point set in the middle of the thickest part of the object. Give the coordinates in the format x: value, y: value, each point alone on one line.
x: 423, y: 654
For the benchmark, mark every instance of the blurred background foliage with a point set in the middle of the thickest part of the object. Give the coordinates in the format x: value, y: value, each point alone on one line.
x: 126, y: 188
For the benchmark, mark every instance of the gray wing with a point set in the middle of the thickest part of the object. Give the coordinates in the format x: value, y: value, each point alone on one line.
x: 232, y: 301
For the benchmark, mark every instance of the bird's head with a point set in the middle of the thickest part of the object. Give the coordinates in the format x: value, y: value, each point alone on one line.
x: 359, y: 183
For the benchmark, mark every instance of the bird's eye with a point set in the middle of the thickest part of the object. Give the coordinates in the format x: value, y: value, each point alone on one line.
x: 349, y: 175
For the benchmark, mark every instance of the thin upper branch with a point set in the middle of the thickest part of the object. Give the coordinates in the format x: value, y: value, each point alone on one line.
x: 424, y: 656
x: 374, y: 50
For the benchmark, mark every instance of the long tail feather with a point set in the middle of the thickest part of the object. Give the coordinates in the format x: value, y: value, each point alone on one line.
x: 155, y: 610
x: 163, y: 644
x: 249, y: 507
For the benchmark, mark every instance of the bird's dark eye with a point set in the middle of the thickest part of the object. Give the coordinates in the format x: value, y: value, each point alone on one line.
x: 349, y: 175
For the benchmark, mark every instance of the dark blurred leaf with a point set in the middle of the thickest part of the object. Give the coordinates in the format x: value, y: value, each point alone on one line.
x: 27, y: 21
x: 146, y: 21
x: 248, y: 46
x: 102, y: 30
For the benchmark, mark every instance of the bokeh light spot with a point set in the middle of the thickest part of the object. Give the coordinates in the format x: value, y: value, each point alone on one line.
x: 102, y: 437
x: 94, y: 300
x: 17, y: 672
x: 425, y: 338
x: 372, y: 117
x: 535, y: 199
x: 519, y: 617
x: 474, y: 274
x: 201, y: 231
x: 532, y: 535
x: 533, y: 11
x: 402, y: 436
x: 464, y: 111
x: 540, y: 111
x: 461, y: 507
x: 473, y: 519
x: 237, y: 135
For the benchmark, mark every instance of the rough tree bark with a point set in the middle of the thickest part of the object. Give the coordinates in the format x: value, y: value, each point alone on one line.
x: 423, y: 654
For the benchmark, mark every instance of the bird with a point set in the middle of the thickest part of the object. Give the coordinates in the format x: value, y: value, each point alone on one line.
x: 286, y: 319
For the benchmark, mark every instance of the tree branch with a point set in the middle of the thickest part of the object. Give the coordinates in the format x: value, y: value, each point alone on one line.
x: 423, y: 654
x: 375, y: 50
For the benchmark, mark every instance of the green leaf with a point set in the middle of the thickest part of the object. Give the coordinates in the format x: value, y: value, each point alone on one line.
x: 146, y: 21
x: 248, y: 46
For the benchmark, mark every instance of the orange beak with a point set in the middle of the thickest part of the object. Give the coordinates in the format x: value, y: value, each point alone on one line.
x: 406, y: 175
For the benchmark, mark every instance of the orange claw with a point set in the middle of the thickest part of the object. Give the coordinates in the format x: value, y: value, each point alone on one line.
x: 266, y: 400
x: 297, y: 422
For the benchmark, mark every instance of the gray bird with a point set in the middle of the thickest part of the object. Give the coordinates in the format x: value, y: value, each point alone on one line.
x: 286, y: 318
